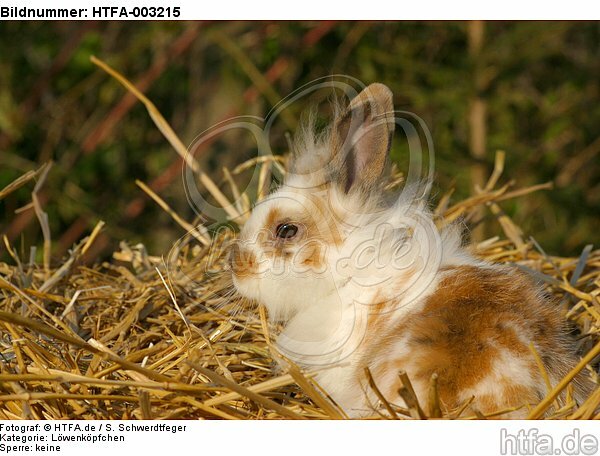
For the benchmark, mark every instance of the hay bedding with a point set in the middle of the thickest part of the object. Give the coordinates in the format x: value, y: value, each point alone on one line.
x: 143, y: 337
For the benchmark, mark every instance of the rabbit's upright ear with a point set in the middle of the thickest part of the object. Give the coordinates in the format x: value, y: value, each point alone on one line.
x: 361, y: 138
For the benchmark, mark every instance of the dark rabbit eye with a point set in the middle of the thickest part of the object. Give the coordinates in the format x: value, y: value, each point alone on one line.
x: 286, y: 230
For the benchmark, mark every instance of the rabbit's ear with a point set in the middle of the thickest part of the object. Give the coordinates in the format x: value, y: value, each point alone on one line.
x: 361, y: 138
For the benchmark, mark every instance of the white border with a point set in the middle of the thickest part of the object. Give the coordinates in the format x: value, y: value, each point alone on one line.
x: 347, y: 9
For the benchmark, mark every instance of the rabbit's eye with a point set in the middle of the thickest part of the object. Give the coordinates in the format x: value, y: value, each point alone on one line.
x: 286, y: 230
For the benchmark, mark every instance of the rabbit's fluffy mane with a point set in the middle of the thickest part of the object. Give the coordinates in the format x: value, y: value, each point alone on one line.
x: 363, y: 210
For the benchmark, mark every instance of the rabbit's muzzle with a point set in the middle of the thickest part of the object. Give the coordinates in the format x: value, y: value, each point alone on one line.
x: 242, y: 261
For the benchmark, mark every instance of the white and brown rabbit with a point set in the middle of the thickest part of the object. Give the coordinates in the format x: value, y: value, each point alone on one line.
x: 360, y: 282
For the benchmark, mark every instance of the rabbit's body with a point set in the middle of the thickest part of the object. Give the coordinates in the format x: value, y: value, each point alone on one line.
x: 474, y: 331
x: 358, y: 282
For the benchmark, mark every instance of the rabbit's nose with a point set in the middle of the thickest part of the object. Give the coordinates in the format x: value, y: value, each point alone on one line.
x: 242, y: 261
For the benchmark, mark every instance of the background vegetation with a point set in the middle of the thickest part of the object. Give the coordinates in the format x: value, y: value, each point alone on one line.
x: 528, y: 88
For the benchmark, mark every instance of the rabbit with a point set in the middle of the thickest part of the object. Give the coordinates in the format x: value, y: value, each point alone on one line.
x: 357, y: 280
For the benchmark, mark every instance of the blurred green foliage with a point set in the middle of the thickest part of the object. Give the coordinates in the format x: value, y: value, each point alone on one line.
x: 539, y: 81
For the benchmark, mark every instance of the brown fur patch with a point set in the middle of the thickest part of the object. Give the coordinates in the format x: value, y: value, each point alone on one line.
x: 273, y: 218
x: 302, y: 249
x: 242, y: 261
x: 318, y: 231
x: 474, y: 314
